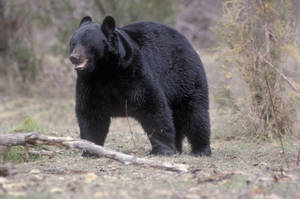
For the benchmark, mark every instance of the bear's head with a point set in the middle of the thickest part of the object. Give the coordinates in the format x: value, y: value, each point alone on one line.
x: 94, y: 46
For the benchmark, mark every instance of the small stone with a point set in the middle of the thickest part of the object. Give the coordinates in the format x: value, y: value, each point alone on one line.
x: 37, y: 178
x: 61, y: 178
x: 35, y: 171
x: 56, y: 190
x: 90, y: 177
x: 2, y: 180
x: 17, y: 193
x: 101, y: 195
x: 273, y: 196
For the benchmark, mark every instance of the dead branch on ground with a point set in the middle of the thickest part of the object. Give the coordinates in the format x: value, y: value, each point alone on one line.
x: 35, y: 138
x: 127, y: 117
x: 217, y: 178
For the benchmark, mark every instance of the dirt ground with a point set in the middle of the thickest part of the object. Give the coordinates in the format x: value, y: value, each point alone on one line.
x: 238, y: 168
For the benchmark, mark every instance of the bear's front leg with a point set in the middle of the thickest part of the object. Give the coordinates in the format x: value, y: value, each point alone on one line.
x: 93, y: 126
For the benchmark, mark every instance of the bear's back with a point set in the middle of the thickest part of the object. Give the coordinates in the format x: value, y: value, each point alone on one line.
x: 146, y: 32
x: 169, y: 55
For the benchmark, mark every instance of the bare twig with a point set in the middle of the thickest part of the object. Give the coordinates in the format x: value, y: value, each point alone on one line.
x: 43, y: 152
x: 293, y: 86
x: 298, y: 158
x: 62, y: 171
x: 267, y: 38
x: 36, y: 138
x: 277, y: 123
x: 267, y: 53
x: 216, y: 178
x: 26, y: 152
x: 265, y: 58
x: 131, y: 132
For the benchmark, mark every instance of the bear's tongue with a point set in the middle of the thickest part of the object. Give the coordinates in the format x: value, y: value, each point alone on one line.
x: 81, y: 66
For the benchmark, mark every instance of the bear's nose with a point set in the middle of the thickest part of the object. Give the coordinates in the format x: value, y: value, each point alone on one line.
x: 75, y: 59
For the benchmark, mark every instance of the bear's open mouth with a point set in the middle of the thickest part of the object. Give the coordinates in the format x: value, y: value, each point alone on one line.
x: 82, y: 65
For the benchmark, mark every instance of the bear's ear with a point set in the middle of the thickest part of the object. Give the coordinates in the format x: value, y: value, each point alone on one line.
x: 108, y: 26
x: 124, y: 49
x: 84, y: 20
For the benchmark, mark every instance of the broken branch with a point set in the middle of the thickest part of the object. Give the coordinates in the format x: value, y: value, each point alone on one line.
x: 35, y: 138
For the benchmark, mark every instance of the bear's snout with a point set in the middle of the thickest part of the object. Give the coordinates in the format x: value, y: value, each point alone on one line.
x: 75, y: 58
x: 78, y: 58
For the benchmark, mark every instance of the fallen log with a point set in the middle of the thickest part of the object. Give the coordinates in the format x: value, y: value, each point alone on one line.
x: 35, y: 138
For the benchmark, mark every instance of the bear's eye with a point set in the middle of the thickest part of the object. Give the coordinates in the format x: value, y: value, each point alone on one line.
x: 85, y: 44
x: 72, y: 45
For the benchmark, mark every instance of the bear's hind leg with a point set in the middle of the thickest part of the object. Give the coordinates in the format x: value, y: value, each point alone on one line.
x: 198, y: 133
x: 178, y: 141
x: 179, y: 131
x: 193, y: 122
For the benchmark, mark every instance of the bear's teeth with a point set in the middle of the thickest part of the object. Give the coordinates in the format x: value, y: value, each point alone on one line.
x: 82, y: 65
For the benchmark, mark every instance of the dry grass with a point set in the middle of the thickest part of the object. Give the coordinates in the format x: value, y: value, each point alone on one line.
x: 237, y: 168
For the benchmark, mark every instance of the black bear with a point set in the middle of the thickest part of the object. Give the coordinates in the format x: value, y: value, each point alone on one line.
x: 149, y: 69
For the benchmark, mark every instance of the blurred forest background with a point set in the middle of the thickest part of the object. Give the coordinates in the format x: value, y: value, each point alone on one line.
x: 35, y: 38
x: 35, y: 35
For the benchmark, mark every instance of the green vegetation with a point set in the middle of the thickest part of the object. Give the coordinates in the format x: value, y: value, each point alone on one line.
x: 16, y: 153
x: 29, y: 125
x: 13, y: 154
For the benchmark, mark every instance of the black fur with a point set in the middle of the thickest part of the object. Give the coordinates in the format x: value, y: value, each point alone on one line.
x: 155, y: 71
